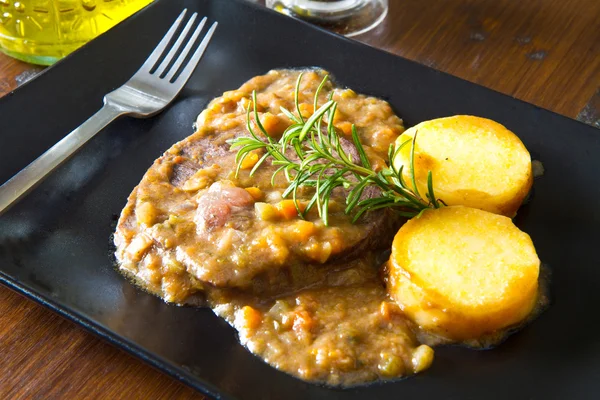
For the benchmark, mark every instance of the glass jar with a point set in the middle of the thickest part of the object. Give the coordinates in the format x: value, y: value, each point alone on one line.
x: 346, y: 17
x: 43, y: 31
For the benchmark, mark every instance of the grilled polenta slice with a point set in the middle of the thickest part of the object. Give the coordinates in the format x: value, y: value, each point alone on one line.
x: 474, y: 162
x: 462, y: 273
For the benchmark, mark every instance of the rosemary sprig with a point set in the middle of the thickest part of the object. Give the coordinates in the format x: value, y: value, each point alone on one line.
x: 310, y: 154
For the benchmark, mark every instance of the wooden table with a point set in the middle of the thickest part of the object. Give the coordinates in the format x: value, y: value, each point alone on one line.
x: 546, y: 52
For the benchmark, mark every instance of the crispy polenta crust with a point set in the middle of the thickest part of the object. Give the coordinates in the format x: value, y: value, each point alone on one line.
x: 461, y: 273
x: 474, y: 161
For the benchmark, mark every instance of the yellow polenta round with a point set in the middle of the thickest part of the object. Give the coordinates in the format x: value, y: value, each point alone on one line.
x: 462, y: 273
x: 475, y: 162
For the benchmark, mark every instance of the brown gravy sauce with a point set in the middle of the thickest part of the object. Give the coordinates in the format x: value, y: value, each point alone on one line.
x: 295, y: 299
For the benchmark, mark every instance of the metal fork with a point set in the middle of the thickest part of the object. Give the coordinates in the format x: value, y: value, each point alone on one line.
x: 147, y: 93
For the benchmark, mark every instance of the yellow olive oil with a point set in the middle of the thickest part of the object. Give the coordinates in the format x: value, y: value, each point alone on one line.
x: 43, y: 31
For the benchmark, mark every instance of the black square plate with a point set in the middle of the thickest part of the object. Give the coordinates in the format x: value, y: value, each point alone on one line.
x: 54, y: 245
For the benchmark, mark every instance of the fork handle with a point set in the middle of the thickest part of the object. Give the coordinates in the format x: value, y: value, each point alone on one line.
x: 30, y: 176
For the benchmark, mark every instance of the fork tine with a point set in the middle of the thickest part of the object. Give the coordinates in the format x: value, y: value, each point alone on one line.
x: 160, y: 48
x: 186, y: 50
x: 178, y: 43
x: 189, y: 68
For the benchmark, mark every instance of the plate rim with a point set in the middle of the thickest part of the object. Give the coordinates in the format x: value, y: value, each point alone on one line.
x: 89, y: 324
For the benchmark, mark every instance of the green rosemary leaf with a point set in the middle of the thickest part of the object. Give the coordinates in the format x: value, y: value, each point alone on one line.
x: 317, y: 195
x: 296, y: 94
x: 242, y: 154
x: 431, y: 194
x: 293, y: 131
x: 258, y: 163
x: 298, y: 148
x: 421, y: 213
x: 320, y: 163
x: 361, y: 151
x: 315, y: 143
x: 406, y: 214
x: 330, y: 117
x: 323, y: 187
x: 286, y: 171
x: 239, y: 165
x: 296, y: 182
x: 313, y: 119
x: 257, y: 120
x: 342, y: 153
x: 375, y: 201
x: 383, y: 184
x: 290, y: 115
x: 393, y: 152
x: 288, y: 135
x: 243, y: 143
x: 309, y: 159
x: 355, y: 195
x: 401, y: 177
x: 319, y: 91
x: 316, y: 101
x: 412, y: 166
x: 249, y: 123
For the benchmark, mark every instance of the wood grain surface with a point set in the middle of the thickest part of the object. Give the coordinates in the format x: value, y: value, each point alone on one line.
x: 546, y: 52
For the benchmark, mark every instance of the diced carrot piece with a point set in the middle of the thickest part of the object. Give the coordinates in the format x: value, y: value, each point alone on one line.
x: 340, y: 116
x: 274, y: 125
x: 303, y: 321
x: 255, y: 192
x: 345, y: 127
x: 233, y: 95
x: 306, y: 109
x: 249, y: 161
x: 278, y: 248
x: 251, y: 317
x: 287, y: 208
x: 301, y: 230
